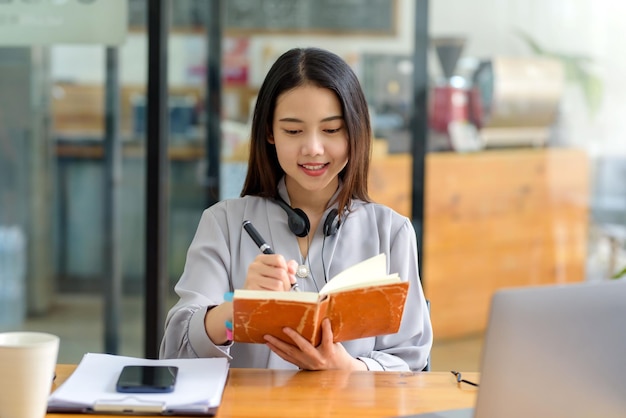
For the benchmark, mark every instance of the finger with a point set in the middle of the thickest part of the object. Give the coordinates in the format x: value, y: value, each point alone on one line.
x: 292, y: 267
x: 299, y: 346
x: 274, y: 260
x: 259, y: 278
x: 283, y: 355
x: 327, y: 333
x: 284, y: 350
x: 299, y: 341
x: 276, y: 268
x: 277, y: 342
x: 268, y: 272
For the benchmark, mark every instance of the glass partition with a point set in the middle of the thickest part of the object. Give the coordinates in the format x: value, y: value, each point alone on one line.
x: 523, y: 175
x: 523, y: 179
x: 56, y: 189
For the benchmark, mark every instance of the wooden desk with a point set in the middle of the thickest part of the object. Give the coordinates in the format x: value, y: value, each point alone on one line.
x: 280, y: 393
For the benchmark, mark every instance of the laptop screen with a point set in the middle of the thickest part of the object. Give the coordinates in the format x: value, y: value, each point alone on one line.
x: 555, y: 351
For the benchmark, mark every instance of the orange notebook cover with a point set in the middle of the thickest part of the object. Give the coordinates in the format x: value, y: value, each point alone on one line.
x: 362, y: 301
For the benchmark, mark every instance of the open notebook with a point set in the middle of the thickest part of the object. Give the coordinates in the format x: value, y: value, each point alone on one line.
x: 91, y: 388
x: 553, y: 351
x: 348, y: 300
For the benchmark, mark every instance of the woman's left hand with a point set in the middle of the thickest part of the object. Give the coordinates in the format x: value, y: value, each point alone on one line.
x: 326, y: 356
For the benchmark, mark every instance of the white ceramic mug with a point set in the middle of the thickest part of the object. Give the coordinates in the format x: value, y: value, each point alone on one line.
x: 27, y: 363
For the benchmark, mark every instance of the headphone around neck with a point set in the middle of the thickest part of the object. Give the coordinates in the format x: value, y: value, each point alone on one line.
x: 299, y: 223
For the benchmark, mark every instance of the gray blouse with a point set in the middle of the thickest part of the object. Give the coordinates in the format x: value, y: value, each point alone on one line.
x: 218, y: 259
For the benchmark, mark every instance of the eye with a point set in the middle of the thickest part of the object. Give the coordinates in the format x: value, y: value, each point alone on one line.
x: 332, y: 130
x: 291, y: 131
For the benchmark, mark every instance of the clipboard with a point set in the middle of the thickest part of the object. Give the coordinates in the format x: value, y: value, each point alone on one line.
x: 91, y: 388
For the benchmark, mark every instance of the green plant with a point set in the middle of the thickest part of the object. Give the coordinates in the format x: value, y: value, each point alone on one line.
x: 577, y: 70
x: 619, y: 274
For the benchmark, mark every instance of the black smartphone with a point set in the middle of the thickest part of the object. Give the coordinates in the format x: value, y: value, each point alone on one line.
x: 147, y: 379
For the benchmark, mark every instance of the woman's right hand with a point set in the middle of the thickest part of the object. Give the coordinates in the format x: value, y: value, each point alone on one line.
x: 266, y: 272
x: 271, y: 272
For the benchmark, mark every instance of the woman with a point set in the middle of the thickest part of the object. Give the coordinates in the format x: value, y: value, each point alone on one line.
x: 308, y: 165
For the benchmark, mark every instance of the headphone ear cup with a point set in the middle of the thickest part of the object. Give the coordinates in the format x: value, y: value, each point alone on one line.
x: 332, y: 223
x: 296, y: 219
x: 299, y: 222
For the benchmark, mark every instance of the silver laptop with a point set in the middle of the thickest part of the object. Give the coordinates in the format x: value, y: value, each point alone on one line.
x: 554, y: 351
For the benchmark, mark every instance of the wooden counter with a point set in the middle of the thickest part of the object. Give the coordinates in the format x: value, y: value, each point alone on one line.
x: 500, y: 219
x: 492, y: 219
x: 390, y: 181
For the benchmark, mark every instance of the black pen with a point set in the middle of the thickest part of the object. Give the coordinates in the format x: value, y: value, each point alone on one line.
x: 263, y: 246
x: 256, y: 237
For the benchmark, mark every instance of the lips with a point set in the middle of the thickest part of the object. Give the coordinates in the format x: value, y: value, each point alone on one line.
x: 316, y: 169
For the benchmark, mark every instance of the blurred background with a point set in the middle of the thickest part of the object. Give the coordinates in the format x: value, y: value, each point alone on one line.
x: 498, y: 123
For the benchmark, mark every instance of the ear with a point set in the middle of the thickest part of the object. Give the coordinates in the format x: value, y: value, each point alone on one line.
x: 270, y: 137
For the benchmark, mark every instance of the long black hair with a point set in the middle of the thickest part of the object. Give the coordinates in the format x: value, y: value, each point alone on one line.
x: 321, y: 68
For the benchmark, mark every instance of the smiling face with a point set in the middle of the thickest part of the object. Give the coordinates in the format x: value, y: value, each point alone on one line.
x: 311, y: 141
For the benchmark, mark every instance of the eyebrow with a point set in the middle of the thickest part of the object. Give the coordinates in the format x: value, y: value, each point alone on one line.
x: 328, y: 119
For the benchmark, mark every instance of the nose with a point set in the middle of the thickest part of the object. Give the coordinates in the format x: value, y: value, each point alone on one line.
x: 312, y: 144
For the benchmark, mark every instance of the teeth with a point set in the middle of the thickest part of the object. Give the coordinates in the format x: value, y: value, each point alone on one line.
x: 313, y: 167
